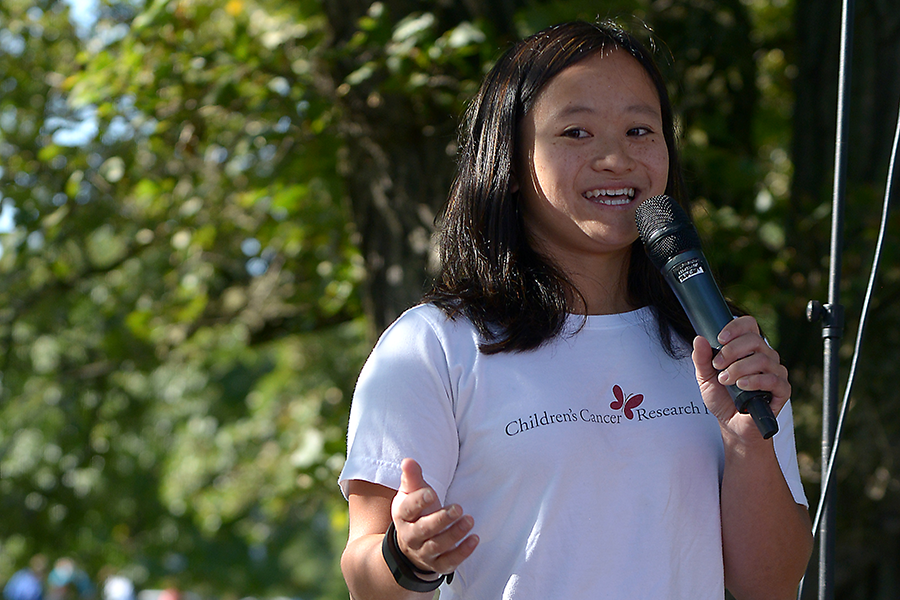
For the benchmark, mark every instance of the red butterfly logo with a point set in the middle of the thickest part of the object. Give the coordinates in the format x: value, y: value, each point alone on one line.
x: 629, y: 402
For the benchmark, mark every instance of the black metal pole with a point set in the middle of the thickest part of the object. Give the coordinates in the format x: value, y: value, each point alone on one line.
x: 833, y: 315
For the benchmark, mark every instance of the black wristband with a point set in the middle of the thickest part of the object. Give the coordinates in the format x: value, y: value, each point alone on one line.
x: 403, y: 570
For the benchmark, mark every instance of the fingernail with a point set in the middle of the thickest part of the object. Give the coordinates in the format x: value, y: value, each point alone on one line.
x: 724, y: 336
x: 723, y: 377
x: 428, y: 497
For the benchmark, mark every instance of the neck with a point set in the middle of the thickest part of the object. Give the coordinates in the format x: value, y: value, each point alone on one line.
x: 602, y: 286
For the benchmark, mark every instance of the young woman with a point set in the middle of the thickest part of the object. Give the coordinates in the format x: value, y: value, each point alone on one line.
x: 539, y: 427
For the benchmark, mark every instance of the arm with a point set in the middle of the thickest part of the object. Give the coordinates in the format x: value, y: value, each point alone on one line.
x: 766, y: 535
x: 428, y: 534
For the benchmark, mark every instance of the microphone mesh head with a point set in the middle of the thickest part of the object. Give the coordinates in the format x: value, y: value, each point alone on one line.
x: 665, y: 229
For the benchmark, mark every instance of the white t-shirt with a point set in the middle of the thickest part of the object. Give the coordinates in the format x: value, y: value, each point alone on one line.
x: 590, y: 465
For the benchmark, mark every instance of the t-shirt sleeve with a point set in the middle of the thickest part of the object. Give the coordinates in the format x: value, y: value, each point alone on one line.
x: 403, y: 407
x: 786, y: 453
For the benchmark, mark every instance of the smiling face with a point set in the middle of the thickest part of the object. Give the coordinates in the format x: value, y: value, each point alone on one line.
x: 593, y: 148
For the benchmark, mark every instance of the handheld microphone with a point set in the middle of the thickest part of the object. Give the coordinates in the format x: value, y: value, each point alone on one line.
x: 673, y: 245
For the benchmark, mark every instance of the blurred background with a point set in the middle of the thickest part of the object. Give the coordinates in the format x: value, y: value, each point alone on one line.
x: 210, y: 209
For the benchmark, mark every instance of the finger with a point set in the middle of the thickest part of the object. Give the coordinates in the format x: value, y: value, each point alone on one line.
x: 702, y: 357
x: 741, y: 347
x: 431, y: 542
x: 450, y: 560
x: 740, y: 339
x: 414, y: 506
x: 769, y: 381
x: 738, y: 327
x: 427, y: 527
x: 753, y: 364
x: 761, y: 370
x: 747, y: 355
x: 436, y: 534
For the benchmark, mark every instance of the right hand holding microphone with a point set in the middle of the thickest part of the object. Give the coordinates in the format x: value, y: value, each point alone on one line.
x: 431, y: 536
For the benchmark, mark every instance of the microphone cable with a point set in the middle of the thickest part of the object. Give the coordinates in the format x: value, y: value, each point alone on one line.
x: 862, y: 319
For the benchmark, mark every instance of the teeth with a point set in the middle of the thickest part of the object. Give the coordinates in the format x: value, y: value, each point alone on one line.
x: 615, y: 197
x: 615, y: 201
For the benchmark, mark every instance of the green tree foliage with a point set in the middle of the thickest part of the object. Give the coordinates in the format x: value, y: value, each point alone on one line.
x: 220, y: 202
x: 180, y: 325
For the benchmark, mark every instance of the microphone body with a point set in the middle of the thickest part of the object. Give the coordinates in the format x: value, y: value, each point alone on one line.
x: 673, y: 245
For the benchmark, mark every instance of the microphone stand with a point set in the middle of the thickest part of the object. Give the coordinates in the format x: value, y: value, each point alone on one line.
x: 832, y: 316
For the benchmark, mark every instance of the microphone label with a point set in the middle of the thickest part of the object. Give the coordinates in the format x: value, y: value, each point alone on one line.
x: 687, y: 269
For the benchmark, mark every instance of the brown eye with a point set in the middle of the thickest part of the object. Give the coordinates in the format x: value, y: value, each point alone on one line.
x: 575, y: 133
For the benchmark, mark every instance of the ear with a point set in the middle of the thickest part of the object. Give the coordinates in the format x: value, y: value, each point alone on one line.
x: 513, y: 183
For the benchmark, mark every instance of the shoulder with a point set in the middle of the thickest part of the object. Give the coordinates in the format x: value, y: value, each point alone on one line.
x: 423, y: 335
x: 424, y: 314
x: 427, y: 321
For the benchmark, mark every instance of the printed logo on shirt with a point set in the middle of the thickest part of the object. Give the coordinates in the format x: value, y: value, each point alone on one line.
x: 627, y: 405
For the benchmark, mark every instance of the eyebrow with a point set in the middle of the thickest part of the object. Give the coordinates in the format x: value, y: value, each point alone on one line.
x: 639, y: 108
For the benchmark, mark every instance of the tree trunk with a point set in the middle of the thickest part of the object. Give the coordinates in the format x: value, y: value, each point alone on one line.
x: 399, y: 158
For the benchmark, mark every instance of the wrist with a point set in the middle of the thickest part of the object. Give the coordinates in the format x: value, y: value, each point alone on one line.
x: 746, y: 444
x: 405, y: 573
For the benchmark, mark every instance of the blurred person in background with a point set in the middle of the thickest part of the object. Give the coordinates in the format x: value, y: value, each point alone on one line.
x: 117, y: 587
x: 69, y: 582
x: 27, y: 583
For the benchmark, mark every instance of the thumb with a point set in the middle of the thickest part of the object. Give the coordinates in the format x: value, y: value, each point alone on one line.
x: 415, y: 498
x: 411, y: 478
x: 715, y: 396
x: 702, y: 357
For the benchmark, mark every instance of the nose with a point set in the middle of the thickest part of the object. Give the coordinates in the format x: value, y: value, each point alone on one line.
x: 612, y: 156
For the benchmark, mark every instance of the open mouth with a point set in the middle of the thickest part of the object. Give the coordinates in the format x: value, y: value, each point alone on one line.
x: 611, y: 197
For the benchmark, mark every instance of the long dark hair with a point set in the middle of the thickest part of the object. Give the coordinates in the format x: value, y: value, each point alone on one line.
x: 489, y: 273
